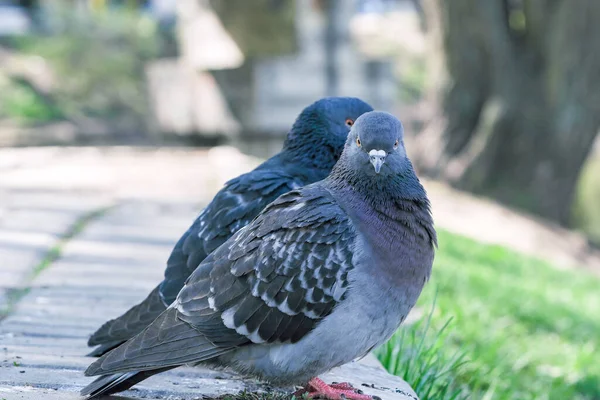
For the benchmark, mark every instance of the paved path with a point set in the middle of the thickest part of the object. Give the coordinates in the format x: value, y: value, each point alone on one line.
x: 85, y: 236
x: 32, y: 224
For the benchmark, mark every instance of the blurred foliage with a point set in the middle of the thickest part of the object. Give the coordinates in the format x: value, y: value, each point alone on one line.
x: 586, y: 208
x: 529, y: 330
x: 98, y: 61
x: 412, y: 79
x: 259, y: 27
x: 21, y: 102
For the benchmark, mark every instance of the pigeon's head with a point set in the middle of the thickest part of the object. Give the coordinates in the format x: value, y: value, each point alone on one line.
x: 321, y: 129
x: 375, y: 146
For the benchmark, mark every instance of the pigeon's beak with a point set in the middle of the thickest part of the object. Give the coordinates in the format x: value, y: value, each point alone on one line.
x: 377, y: 158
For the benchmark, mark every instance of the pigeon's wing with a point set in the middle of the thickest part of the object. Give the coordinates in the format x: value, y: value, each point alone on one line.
x: 166, y: 342
x: 271, y: 282
x: 115, y: 331
x: 275, y: 279
x: 234, y: 206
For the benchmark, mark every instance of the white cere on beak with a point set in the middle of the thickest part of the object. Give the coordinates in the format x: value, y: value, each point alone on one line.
x: 377, y: 153
x: 377, y: 158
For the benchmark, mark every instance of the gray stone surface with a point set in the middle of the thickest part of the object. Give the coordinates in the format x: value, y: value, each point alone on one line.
x: 107, y: 267
x: 32, y: 222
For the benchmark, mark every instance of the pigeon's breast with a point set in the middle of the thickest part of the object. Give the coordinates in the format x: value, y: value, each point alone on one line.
x: 391, y: 266
x: 389, y: 275
x: 393, y: 249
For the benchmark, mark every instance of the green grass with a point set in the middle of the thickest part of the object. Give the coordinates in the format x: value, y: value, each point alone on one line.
x: 416, y: 354
x: 526, y: 330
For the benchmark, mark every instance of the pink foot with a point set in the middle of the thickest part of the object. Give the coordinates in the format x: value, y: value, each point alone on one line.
x: 316, y: 388
x: 342, y: 386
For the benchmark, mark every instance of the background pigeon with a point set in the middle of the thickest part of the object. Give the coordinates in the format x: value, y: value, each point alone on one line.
x: 322, y: 276
x: 312, y: 147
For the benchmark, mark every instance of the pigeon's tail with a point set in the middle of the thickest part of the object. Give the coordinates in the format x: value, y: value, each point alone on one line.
x: 110, y: 384
x: 166, y: 343
x: 117, y: 331
x: 104, y: 348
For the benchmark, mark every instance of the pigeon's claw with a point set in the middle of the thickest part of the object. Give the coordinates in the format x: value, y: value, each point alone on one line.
x: 317, y: 389
x: 342, y: 386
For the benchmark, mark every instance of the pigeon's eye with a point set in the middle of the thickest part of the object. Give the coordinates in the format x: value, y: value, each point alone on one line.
x: 396, y: 144
x: 349, y: 122
x: 358, y: 142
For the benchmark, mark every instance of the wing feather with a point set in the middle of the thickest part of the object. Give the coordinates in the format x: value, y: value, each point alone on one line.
x: 232, y: 208
x: 275, y: 279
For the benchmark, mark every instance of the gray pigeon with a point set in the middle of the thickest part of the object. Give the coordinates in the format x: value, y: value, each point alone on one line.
x: 322, y: 276
x: 312, y: 147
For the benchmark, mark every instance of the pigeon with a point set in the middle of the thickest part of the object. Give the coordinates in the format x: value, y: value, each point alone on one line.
x: 323, y: 275
x: 312, y: 147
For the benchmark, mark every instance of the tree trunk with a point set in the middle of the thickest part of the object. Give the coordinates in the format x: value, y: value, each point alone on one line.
x: 520, y: 99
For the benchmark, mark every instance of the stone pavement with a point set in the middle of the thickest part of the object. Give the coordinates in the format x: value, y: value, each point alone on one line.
x: 84, y: 234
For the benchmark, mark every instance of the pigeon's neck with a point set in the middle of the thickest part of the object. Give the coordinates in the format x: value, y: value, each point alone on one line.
x: 397, y: 205
x: 309, y: 152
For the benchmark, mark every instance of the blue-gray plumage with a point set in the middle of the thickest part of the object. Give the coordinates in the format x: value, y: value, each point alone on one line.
x: 312, y: 147
x: 349, y: 254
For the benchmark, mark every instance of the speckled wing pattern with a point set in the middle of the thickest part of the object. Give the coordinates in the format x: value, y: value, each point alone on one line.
x: 233, y: 207
x: 273, y: 281
x: 276, y: 278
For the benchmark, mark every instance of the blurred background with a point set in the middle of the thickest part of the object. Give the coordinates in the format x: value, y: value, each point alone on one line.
x: 166, y: 99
